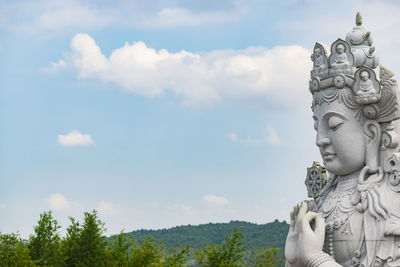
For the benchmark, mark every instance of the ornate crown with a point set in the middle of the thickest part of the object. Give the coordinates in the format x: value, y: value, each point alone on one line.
x: 353, y: 64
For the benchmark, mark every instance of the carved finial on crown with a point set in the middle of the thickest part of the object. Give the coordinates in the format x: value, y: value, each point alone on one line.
x: 358, y: 19
x: 361, y: 42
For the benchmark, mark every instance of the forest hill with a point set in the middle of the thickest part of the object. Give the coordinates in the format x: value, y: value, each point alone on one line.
x: 236, y: 243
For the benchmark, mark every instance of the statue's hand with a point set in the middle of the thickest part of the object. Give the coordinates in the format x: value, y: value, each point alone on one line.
x: 291, y: 246
x: 310, y: 240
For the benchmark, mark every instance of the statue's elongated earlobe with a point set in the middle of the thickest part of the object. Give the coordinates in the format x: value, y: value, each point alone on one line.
x: 373, y: 132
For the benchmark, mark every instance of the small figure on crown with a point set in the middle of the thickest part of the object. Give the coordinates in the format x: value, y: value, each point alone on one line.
x: 366, y: 86
x: 320, y: 60
x: 340, y: 57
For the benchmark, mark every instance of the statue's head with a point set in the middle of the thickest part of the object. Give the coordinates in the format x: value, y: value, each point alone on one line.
x: 364, y: 75
x: 317, y: 51
x: 340, y: 137
x: 355, y: 125
x: 340, y: 48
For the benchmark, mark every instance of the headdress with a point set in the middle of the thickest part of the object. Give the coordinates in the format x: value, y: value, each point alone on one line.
x: 350, y: 74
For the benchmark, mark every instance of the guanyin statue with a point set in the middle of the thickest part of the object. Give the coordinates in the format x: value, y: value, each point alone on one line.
x: 354, y: 219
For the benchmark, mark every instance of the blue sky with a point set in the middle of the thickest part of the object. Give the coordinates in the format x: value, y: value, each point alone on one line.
x: 164, y: 113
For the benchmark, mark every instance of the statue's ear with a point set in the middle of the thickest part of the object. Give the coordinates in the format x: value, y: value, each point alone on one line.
x: 373, y: 132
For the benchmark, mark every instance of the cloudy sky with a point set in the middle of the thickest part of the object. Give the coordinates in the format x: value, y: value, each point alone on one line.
x: 163, y: 113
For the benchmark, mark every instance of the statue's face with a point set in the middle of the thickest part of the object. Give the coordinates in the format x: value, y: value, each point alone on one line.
x: 317, y: 52
x: 340, y: 48
x: 340, y: 138
x: 364, y: 76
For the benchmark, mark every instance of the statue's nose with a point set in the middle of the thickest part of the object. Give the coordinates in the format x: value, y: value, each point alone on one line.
x: 323, y: 141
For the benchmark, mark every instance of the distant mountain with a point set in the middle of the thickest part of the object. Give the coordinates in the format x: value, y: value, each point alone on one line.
x: 256, y: 236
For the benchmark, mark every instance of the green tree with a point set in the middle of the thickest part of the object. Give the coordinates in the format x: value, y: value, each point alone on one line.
x: 229, y: 253
x: 176, y: 257
x: 87, y: 244
x: 147, y: 253
x: 71, y: 245
x: 267, y: 257
x: 13, y: 252
x: 44, y: 245
x: 118, y: 250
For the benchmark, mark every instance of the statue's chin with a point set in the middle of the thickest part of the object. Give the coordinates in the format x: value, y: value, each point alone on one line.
x: 335, y: 167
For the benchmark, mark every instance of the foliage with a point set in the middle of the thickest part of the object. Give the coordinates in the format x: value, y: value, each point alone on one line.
x: 176, y: 257
x: 267, y: 257
x: 13, y: 252
x: 118, y: 250
x: 229, y: 253
x: 71, y: 243
x: 124, y: 251
x: 255, y: 236
x: 44, y: 245
x: 85, y: 245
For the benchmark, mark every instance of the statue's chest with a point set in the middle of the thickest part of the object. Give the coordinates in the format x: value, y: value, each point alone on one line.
x: 344, y: 230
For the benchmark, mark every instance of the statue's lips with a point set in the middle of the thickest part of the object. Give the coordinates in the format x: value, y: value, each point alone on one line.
x: 328, y: 156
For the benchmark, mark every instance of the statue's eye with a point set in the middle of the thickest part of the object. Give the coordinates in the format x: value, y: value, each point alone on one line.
x: 335, y: 122
x: 315, y: 123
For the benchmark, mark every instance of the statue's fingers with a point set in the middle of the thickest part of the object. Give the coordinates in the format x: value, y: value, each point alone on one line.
x: 294, y: 212
x: 305, y: 222
x: 292, y: 219
x: 302, y: 211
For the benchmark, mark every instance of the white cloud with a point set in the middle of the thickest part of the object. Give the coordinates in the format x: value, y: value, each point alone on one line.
x: 174, y: 17
x: 55, y: 16
x: 106, y: 208
x: 272, y: 77
x: 246, y: 141
x: 215, y: 200
x: 75, y: 138
x: 177, y: 209
x: 72, y: 16
x: 271, y: 138
x: 50, y: 17
x: 56, y: 66
x: 58, y: 202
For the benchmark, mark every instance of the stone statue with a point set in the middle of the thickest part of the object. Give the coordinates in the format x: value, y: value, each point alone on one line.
x: 353, y: 220
x: 340, y: 56
x: 320, y: 60
x: 366, y: 86
x: 361, y: 43
x: 341, y: 59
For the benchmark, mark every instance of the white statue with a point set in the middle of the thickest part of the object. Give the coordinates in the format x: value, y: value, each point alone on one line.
x: 366, y: 86
x: 355, y: 218
x: 361, y: 42
x: 340, y: 57
x: 319, y: 61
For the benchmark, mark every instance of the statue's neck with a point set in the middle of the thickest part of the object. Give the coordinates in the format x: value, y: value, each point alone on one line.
x: 349, y: 181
